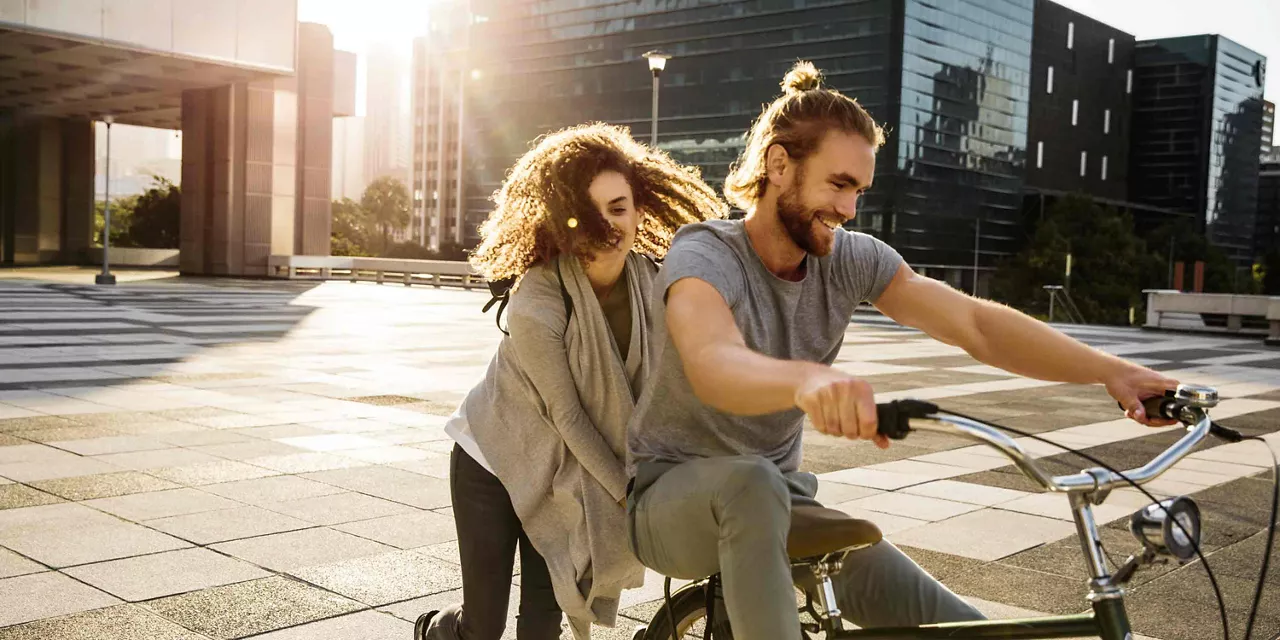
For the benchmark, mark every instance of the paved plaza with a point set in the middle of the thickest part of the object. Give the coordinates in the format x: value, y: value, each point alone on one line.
x: 185, y: 459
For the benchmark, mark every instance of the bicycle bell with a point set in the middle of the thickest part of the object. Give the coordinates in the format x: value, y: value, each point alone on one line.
x: 1154, y: 527
x: 1196, y: 395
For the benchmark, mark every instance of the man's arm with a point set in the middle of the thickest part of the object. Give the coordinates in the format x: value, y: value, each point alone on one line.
x: 1006, y: 338
x: 729, y: 376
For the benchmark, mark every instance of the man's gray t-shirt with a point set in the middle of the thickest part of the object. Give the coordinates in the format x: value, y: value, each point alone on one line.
x: 803, y: 320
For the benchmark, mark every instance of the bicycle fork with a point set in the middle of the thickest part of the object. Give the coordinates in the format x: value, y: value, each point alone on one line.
x: 1105, y: 595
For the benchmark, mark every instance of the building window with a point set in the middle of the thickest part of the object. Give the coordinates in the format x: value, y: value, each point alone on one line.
x: 1040, y: 154
x: 1128, y: 81
x: 1104, y: 167
x: 1075, y: 112
x: 1106, y: 121
x: 1084, y: 162
x: 1071, y: 35
x: 1111, y: 51
x: 1050, y: 85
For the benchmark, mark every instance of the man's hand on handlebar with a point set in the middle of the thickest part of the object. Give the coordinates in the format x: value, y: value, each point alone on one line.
x: 1133, y: 384
x: 840, y: 405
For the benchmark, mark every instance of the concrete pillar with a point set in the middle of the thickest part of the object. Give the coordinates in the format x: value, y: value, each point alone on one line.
x: 7, y: 194
x: 46, y: 189
x: 78, y: 189
x: 315, y: 139
x: 256, y: 166
x: 238, y: 177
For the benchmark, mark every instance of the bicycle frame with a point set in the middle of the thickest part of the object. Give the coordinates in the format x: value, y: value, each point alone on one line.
x: 1108, y: 618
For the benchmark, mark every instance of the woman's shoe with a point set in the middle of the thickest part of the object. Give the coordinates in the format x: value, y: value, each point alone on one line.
x: 424, y: 622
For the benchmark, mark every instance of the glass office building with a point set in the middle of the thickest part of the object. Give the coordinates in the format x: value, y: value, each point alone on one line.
x: 948, y: 78
x: 1197, y: 123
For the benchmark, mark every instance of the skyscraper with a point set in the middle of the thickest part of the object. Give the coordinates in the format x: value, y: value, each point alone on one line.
x: 951, y: 83
x: 1081, y: 96
x: 385, y: 126
x: 439, y: 80
x: 1268, y: 127
x: 348, y: 158
x: 1197, y: 124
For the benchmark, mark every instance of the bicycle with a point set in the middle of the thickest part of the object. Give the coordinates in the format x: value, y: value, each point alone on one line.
x: 821, y: 538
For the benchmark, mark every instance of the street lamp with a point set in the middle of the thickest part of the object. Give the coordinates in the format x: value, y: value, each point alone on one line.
x: 105, y: 277
x: 657, y: 62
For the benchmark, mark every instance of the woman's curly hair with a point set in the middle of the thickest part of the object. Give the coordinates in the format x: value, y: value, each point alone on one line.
x: 543, y: 208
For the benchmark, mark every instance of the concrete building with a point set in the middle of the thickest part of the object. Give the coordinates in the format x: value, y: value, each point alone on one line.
x: 250, y: 89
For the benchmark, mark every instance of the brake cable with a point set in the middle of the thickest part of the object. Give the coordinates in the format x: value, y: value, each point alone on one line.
x: 1222, y: 607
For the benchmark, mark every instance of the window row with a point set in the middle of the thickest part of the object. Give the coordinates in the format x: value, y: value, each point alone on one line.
x: 1071, y: 43
x: 1084, y: 161
x: 1128, y: 81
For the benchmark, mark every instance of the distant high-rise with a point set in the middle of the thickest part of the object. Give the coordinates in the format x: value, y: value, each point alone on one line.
x: 1197, y: 123
x: 348, y: 158
x: 1268, y: 127
x: 384, y: 121
x: 438, y: 86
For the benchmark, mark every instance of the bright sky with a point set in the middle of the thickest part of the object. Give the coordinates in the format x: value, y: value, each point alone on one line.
x: 358, y: 24
x: 1251, y: 23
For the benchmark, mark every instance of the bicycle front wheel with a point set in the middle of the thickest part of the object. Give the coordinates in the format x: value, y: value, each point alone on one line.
x: 689, y: 610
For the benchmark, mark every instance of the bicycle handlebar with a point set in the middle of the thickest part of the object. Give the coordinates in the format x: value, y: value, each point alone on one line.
x: 899, y: 417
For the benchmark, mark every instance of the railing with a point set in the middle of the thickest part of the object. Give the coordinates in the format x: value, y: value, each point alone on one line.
x: 1058, y: 296
x: 355, y: 269
x: 1214, y: 312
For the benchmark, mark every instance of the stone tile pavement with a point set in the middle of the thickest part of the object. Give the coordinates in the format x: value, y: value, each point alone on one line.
x: 228, y: 459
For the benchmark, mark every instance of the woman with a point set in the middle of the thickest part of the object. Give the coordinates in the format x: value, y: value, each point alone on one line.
x: 539, y: 460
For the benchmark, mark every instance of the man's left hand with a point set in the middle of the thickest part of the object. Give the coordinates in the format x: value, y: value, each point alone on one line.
x: 1133, y: 384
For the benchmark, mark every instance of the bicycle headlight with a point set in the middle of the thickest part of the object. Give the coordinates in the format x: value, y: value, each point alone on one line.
x: 1154, y: 527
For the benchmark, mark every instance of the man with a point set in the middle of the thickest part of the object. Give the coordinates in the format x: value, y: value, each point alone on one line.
x: 756, y: 312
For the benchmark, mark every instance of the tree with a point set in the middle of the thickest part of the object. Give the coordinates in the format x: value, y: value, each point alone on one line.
x: 350, y: 229
x: 1271, y: 273
x: 1191, y: 246
x: 386, y: 201
x: 121, y: 218
x: 1110, y: 264
x: 151, y: 220
x: 157, y: 216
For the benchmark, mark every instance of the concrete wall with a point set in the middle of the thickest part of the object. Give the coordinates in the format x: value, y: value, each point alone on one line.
x: 128, y: 257
x: 257, y: 33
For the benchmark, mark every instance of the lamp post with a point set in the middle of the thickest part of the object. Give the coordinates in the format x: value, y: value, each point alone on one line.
x: 657, y: 62
x: 105, y: 277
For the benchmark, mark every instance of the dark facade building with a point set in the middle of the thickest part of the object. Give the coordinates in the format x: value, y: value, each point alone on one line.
x: 1197, y: 123
x: 1081, y: 95
x: 1267, y: 230
x: 950, y: 81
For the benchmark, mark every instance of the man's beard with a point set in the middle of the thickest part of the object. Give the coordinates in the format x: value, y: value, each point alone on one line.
x: 798, y: 220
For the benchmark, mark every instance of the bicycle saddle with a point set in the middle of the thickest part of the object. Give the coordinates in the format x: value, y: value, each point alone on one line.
x: 818, y: 531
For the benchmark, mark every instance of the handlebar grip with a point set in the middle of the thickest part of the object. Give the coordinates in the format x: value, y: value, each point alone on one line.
x: 894, y: 418
x: 1165, y: 407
